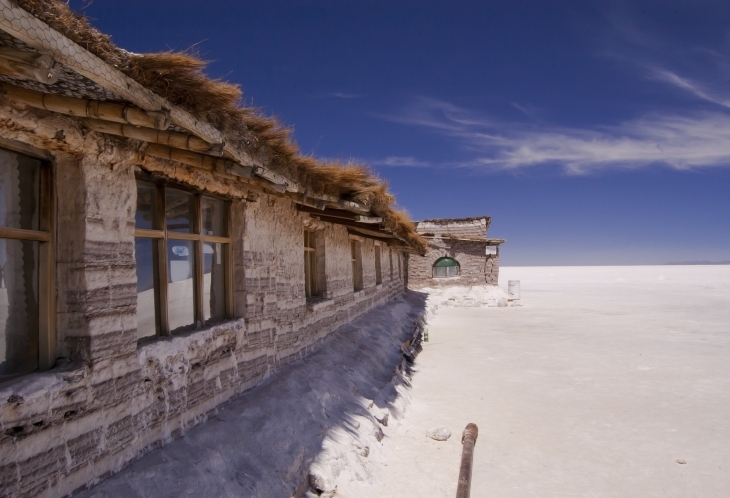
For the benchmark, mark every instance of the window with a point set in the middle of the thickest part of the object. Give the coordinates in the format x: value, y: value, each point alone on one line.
x: 445, y: 267
x: 390, y: 257
x: 356, y: 257
x: 400, y: 271
x: 378, y: 272
x: 27, y: 336
x: 182, y: 248
x: 311, y: 268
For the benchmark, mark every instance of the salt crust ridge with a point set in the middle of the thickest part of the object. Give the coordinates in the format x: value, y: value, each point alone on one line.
x: 313, y: 427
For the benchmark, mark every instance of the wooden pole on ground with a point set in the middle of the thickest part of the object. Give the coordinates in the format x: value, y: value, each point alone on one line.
x: 468, y: 439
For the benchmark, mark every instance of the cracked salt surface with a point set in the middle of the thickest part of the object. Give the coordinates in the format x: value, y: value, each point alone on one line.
x: 607, y: 382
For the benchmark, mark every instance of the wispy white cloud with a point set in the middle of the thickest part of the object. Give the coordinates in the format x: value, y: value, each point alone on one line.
x: 688, y: 85
x: 528, y: 110
x: 679, y: 141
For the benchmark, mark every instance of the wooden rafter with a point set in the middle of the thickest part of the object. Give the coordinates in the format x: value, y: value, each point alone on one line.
x: 377, y: 232
x: 85, y: 108
x: 169, y: 138
x: 368, y: 234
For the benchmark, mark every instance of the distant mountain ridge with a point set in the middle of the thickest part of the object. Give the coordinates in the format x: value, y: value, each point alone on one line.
x: 700, y: 263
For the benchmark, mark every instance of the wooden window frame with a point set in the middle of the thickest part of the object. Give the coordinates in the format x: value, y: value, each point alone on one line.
x: 46, y: 251
x: 311, y: 269
x: 162, y: 236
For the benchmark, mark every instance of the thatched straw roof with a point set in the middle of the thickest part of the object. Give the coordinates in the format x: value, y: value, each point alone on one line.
x: 180, y: 78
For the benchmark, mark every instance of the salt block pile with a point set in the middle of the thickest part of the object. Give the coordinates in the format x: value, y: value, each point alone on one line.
x: 476, y: 296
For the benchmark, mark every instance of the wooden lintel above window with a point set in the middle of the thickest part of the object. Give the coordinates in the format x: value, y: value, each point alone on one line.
x: 371, y: 235
x: 330, y: 212
x: 374, y: 230
x: 340, y: 213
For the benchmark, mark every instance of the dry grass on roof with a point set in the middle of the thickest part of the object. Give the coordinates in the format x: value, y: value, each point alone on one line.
x: 180, y: 78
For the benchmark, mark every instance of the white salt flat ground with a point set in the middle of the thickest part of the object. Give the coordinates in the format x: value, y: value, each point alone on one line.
x: 595, y: 387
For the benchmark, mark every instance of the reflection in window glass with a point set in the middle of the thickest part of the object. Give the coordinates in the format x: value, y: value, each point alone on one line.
x: 19, y: 189
x: 180, y: 294
x: 214, y: 288
x: 178, y: 210
x: 214, y: 216
x: 146, y: 320
x: 146, y: 206
x: 18, y: 307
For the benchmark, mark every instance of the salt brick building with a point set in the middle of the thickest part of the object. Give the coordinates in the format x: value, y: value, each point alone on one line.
x: 161, y: 249
x: 458, y: 253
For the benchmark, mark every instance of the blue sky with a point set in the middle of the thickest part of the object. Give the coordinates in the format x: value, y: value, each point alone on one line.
x: 592, y: 132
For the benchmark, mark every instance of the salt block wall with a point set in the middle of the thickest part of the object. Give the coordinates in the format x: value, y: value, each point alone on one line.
x: 476, y: 267
x: 109, y: 400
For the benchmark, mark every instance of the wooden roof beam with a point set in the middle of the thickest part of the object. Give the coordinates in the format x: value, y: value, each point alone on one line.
x: 28, y: 65
x: 353, y: 224
x: 369, y: 235
x: 85, y: 108
x: 169, y: 138
x: 199, y: 161
x: 341, y: 213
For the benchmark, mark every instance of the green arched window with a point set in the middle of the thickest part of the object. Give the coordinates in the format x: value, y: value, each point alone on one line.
x: 445, y: 267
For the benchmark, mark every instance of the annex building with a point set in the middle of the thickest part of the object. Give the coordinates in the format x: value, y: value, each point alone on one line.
x: 458, y: 253
x: 162, y: 249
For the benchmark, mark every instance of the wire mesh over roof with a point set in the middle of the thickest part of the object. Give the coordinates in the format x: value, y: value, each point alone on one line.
x: 91, y: 66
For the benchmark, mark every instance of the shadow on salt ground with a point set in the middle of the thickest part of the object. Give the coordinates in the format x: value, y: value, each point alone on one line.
x: 314, y: 422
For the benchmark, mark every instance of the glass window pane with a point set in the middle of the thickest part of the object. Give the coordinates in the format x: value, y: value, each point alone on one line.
x: 144, y: 253
x: 214, y: 217
x: 146, y: 206
x: 179, y: 210
x: 214, y: 286
x: 18, y: 307
x: 19, y: 189
x: 180, y: 290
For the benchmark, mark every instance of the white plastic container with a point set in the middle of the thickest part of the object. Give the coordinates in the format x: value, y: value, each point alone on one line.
x: 513, y: 290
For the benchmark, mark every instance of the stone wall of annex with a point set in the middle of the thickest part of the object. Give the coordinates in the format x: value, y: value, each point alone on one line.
x: 109, y: 400
x: 476, y: 267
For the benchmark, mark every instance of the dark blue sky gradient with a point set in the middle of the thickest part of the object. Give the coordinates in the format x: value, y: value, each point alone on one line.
x: 458, y: 90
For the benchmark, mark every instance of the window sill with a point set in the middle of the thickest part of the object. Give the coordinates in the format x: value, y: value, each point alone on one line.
x: 318, y: 303
x: 40, y: 383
